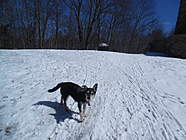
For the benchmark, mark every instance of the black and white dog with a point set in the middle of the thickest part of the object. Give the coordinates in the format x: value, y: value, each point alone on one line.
x: 82, y: 95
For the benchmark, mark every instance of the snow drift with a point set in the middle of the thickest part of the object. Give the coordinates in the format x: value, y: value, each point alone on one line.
x: 139, y: 97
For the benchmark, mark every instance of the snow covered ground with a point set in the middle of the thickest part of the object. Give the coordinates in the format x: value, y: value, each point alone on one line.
x: 139, y: 97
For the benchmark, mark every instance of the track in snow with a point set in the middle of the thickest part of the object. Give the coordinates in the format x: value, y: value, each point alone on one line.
x: 138, y: 97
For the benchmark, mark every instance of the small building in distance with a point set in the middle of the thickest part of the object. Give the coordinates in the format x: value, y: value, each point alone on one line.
x: 103, y: 47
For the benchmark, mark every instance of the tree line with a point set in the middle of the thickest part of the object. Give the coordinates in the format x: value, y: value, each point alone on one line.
x: 126, y: 25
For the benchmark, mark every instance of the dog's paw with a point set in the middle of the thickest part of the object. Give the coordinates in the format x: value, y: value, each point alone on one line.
x: 85, y: 115
x: 82, y: 118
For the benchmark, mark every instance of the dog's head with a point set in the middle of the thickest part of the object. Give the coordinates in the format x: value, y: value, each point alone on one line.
x: 90, y: 92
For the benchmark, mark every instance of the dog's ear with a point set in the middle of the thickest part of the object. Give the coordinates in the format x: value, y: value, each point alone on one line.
x: 95, y: 87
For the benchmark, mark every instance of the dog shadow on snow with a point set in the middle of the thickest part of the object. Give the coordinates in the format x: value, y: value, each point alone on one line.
x: 60, y: 114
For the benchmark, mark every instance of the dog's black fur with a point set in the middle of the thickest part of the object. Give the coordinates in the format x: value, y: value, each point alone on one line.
x: 82, y: 95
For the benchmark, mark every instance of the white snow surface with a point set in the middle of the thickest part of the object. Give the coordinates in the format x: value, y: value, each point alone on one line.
x: 139, y: 97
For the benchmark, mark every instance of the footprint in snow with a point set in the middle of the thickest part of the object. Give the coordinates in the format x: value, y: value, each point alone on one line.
x: 4, y: 97
x: 180, y: 101
x: 2, y: 106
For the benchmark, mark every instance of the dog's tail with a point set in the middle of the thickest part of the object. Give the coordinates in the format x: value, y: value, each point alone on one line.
x: 55, y: 88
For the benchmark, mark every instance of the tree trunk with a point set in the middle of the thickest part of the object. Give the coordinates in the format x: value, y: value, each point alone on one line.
x: 181, y: 20
x: 57, y: 27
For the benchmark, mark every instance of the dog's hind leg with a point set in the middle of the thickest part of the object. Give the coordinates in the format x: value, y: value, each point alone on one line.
x: 64, y: 99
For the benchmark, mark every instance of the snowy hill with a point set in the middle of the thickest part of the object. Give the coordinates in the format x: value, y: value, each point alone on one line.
x: 139, y: 97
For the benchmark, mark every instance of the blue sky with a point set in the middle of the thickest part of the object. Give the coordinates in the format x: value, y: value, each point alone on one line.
x: 167, y: 11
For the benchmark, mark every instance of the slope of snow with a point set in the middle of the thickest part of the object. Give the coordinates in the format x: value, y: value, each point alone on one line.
x: 139, y: 97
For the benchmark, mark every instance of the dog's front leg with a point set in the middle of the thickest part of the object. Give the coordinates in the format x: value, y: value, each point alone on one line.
x: 80, y: 112
x: 84, y: 108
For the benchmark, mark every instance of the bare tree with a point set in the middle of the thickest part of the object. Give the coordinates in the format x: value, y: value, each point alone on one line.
x: 143, y: 19
x: 43, y: 12
x: 87, y: 14
x: 78, y: 24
